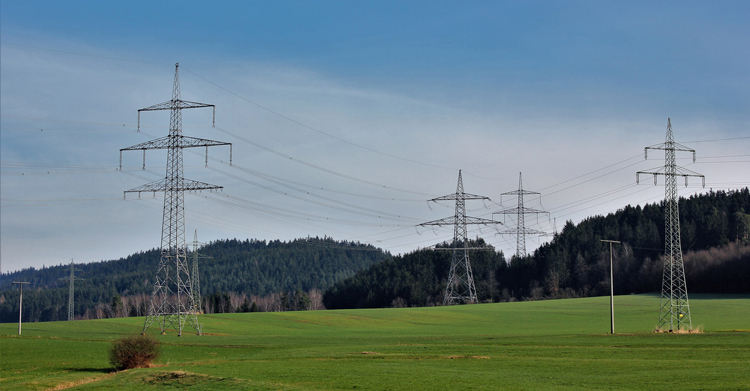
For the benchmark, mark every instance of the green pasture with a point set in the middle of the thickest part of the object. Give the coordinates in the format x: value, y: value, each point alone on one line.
x: 555, y: 344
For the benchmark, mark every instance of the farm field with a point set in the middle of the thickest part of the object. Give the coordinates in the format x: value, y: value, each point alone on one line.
x: 555, y: 344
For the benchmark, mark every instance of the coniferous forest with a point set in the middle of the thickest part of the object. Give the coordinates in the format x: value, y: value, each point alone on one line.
x: 255, y: 275
x: 281, y: 270
x: 715, y: 230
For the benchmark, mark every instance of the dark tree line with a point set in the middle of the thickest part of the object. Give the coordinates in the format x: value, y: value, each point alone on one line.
x: 250, y: 267
x: 417, y: 278
x: 715, y: 230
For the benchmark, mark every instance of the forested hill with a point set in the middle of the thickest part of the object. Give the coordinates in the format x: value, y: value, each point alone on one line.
x: 715, y: 230
x: 250, y: 267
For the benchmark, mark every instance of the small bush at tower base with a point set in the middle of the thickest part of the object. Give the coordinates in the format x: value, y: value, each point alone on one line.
x: 134, y: 351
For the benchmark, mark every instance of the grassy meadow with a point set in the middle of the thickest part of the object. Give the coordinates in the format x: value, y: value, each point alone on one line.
x: 555, y: 344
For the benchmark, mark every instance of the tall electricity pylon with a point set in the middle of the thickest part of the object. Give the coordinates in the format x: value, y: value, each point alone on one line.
x: 172, y: 301
x: 675, y: 309
x: 521, y: 211
x: 71, y: 290
x: 460, y: 288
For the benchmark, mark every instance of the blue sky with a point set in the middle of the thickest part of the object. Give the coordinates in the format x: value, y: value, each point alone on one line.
x: 416, y: 91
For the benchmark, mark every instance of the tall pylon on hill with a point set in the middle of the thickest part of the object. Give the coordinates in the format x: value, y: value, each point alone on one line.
x: 460, y: 288
x: 521, y: 211
x: 172, y: 301
x: 71, y: 290
x: 674, y: 311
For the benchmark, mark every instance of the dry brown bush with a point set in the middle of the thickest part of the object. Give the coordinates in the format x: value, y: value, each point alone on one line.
x: 134, y: 351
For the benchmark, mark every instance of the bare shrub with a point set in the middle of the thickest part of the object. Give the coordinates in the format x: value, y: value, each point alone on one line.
x: 399, y: 302
x: 316, y: 299
x: 134, y: 351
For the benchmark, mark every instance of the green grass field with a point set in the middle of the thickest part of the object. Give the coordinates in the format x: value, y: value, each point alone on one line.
x: 556, y: 344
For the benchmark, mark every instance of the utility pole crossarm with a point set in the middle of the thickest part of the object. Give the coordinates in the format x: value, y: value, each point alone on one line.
x: 166, y: 185
x: 463, y: 196
x: 527, y: 231
x: 678, y: 171
x: 522, y: 209
x: 175, y: 142
x: 675, y: 146
x: 177, y: 104
x: 183, y: 142
x: 452, y: 221
x: 517, y: 192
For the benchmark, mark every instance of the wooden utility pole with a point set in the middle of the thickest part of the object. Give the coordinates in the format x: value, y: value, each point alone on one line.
x: 611, y: 288
x: 20, y: 303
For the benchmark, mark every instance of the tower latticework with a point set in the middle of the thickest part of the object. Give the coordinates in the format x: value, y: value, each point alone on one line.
x: 71, y: 290
x: 521, y: 211
x: 197, y: 257
x: 674, y: 312
x: 172, y: 301
x: 460, y: 288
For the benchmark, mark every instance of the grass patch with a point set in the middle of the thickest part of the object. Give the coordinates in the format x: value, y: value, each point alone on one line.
x: 560, y: 344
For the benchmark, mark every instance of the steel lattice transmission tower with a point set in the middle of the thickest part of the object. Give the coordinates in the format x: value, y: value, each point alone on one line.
x: 460, y: 287
x: 172, y: 301
x: 521, y: 211
x: 71, y: 290
x: 196, y: 277
x: 674, y: 310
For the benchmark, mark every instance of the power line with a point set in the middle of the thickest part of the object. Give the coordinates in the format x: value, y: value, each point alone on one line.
x: 315, y: 129
x: 320, y: 168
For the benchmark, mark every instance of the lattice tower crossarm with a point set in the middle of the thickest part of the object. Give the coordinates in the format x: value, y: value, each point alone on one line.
x: 460, y: 287
x: 674, y: 311
x: 172, y: 301
x: 521, y: 211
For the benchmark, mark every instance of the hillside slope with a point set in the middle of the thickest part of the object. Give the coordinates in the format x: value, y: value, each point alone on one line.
x: 252, y: 267
x: 715, y: 231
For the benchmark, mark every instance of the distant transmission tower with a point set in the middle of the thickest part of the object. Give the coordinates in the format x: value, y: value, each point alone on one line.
x: 521, y: 211
x: 196, y: 277
x: 460, y: 288
x: 71, y: 292
x: 675, y: 309
x: 172, y: 301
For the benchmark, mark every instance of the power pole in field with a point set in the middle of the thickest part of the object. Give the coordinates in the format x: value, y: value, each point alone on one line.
x: 20, y: 303
x: 674, y: 309
x: 172, y: 301
x: 611, y: 287
x: 460, y: 288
